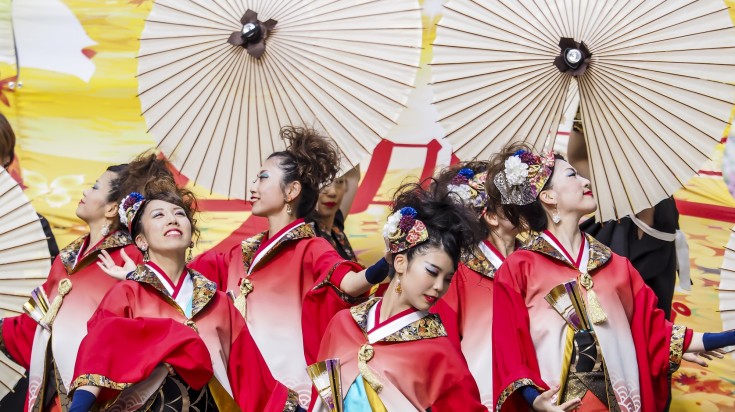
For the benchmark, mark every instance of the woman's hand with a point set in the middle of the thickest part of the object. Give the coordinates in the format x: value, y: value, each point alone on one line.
x: 545, y: 402
x: 699, y: 357
x: 108, y: 265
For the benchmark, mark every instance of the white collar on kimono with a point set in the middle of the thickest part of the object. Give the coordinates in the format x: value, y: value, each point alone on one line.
x: 183, y: 296
x: 386, y: 329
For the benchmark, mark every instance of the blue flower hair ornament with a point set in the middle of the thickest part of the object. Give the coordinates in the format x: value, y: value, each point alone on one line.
x: 404, y: 231
x: 129, y: 208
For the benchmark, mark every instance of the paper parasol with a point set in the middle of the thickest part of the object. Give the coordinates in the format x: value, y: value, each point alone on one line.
x: 655, y: 82
x: 219, y: 78
x: 24, y: 262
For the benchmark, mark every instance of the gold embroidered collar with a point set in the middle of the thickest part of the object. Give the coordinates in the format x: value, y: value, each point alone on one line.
x: 425, y: 328
x: 204, y: 289
x: 599, y: 253
x: 68, y: 255
x: 251, y: 245
x: 478, y: 262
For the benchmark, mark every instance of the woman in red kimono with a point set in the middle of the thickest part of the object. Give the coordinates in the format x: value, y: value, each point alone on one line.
x: 579, y: 321
x: 467, y: 308
x: 332, y: 208
x: 394, y: 355
x: 288, y: 282
x: 74, y: 287
x: 165, y: 338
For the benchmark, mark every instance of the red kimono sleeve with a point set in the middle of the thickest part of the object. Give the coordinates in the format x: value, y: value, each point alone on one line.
x: 214, y: 265
x: 325, y: 299
x: 514, y: 357
x: 462, y: 396
x: 17, y: 332
x: 16, y: 338
x: 120, y: 351
x: 253, y: 386
x: 659, y: 344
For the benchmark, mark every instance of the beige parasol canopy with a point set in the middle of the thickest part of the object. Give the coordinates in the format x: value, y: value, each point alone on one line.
x: 24, y: 262
x: 655, y: 83
x: 219, y: 78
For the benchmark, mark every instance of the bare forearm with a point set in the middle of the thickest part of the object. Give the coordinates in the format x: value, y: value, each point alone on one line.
x: 355, y: 284
x: 697, y: 344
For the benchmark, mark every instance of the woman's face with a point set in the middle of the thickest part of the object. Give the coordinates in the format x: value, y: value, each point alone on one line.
x: 165, y: 228
x: 94, y: 206
x: 425, y: 279
x: 266, y: 193
x: 571, y: 192
x: 330, y: 198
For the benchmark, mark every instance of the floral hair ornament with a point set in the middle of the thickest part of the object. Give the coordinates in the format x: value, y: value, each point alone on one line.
x: 129, y: 208
x: 524, y: 176
x: 470, y: 187
x: 403, y: 231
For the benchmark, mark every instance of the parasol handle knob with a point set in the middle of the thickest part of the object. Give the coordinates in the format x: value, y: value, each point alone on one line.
x: 573, y: 57
x: 251, y: 32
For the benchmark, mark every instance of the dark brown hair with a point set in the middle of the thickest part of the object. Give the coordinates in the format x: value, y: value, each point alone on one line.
x: 444, y: 178
x: 135, y: 176
x: 451, y: 226
x: 7, y: 138
x: 310, y: 159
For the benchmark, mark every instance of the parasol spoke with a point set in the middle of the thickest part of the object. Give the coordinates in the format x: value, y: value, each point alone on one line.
x: 201, y: 13
x: 210, y: 127
x: 652, y: 112
x: 224, y: 156
x: 187, y: 104
x: 25, y: 261
x: 619, y: 106
x: 494, y: 31
x: 316, y: 103
x: 611, y: 150
x: 177, y: 90
x: 626, y: 15
x: 503, y: 126
x: 206, y: 105
x: 516, y: 91
x: 550, y: 32
x: 650, y: 24
x: 335, y: 73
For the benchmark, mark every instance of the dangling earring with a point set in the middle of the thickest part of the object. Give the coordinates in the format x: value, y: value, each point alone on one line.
x: 289, y: 210
x: 555, y: 216
x: 146, y: 258
x: 188, y: 255
x: 105, y: 230
x: 398, y: 286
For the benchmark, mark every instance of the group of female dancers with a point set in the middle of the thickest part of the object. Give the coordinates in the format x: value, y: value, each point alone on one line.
x: 459, y: 315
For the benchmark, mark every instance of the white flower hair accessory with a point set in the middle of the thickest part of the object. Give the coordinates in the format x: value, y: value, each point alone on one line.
x: 463, y: 191
x: 524, y: 177
x: 516, y: 171
x: 391, y: 225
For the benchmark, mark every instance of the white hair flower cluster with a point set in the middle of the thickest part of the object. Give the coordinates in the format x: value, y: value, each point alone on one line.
x: 516, y: 171
x: 391, y: 225
x: 464, y: 191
